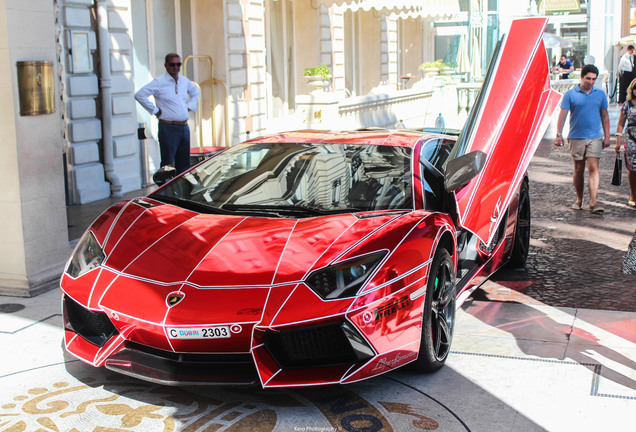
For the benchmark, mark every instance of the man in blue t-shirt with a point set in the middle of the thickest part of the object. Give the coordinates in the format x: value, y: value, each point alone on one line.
x: 589, y: 133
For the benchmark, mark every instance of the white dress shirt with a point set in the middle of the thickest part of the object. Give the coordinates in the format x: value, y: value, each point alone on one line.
x: 174, y: 98
x: 626, y: 63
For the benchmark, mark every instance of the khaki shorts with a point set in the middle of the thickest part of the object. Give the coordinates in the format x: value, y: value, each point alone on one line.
x: 585, y: 148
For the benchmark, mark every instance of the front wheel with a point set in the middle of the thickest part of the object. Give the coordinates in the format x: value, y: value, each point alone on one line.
x: 438, y: 319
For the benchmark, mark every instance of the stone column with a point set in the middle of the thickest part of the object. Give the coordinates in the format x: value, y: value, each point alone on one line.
x: 246, y: 67
x: 86, y: 179
x: 326, y: 40
x: 392, y: 49
x: 33, y: 225
x: 108, y: 137
x: 336, y: 20
x: 384, y: 49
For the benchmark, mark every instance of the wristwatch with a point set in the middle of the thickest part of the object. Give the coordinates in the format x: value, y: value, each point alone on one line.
x: 558, y: 134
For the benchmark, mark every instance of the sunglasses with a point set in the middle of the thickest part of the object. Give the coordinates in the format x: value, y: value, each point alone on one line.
x: 174, y: 64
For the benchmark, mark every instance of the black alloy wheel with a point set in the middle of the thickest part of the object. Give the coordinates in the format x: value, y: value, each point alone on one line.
x: 521, y: 244
x: 438, y: 319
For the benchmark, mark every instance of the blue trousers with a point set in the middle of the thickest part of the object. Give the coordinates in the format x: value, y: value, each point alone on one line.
x: 174, y: 144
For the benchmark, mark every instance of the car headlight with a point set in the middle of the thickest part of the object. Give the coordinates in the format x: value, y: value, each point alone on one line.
x: 344, y: 279
x: 88, y: 256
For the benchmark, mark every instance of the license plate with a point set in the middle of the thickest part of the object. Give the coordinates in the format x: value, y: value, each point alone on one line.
x: 216, y: 332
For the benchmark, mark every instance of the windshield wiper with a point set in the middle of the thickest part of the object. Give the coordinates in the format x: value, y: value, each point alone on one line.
x: 252, y: 209
x: 191, y: 205
x: 288, y: 210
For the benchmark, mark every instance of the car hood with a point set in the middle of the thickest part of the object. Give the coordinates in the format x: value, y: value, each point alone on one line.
x: 167, y: 244
x: 507, y: 123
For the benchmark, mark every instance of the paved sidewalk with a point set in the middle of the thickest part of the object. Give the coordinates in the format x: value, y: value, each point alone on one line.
x: 514, y: 367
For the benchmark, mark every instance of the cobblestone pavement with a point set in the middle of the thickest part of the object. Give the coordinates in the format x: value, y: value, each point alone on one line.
x: 575, y: 256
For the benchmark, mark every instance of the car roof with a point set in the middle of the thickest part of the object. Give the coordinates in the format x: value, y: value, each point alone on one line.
x: 388, y: 137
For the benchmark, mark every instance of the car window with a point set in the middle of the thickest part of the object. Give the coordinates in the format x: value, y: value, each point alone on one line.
x: 328, y: 177
x: 433, y: 155
x: 436, y: 151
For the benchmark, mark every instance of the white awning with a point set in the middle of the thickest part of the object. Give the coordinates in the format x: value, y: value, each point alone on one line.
x: 626, y: 41
x: 430, y: 9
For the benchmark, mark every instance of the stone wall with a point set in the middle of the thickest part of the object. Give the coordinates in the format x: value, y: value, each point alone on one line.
x: 246, y: 40
x: 83, y: 111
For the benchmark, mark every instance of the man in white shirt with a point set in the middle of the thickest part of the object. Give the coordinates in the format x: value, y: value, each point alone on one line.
x: 175, y: 95
x: 625, y: 73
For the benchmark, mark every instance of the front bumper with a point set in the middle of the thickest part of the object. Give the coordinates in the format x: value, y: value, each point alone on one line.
x: 320, y: 353
x: 167, y: 368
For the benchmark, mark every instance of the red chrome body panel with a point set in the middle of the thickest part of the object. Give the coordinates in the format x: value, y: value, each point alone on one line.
x: 168, y: 268
x: 509, y: 126
x: 401, y: 138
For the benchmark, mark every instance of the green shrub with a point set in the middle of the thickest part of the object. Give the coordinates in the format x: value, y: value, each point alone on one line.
x: 321, y: 71
x: 437, y: 64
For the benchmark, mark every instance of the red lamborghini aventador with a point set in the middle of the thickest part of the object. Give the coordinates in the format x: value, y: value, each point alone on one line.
x: 310, y: 257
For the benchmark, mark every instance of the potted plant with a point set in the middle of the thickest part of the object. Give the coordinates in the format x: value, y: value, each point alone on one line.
x: 448, y: 68
x: 431, y: 68
x: 318, y: 76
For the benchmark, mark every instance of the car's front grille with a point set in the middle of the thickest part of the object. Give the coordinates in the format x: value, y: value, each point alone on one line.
x: 193, y: 357
x: 323, y: 345
x: 170, y: 368
x: 93, y: 326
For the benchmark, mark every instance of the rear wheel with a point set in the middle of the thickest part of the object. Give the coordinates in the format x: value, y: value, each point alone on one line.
x: 438, y: 318
x: 521, y: 244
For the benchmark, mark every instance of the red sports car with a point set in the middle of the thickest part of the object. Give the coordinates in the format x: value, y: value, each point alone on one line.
x: 310, y: 257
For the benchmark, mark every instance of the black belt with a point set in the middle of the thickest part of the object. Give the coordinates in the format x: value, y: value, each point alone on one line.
x: 180, y: 123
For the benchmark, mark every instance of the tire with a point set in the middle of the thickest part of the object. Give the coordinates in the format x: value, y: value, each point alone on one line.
x: 521, y: 244
x: 438, y: 317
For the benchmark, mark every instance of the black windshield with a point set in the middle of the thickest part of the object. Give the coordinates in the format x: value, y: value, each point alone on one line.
x: 298, y: 180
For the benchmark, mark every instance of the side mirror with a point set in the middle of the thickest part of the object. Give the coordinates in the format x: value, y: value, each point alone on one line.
x: 164, y: 175
x: 461, y: 170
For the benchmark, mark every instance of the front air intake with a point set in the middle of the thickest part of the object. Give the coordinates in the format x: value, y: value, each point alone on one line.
x: 322, y: 345
x: 93, y: 326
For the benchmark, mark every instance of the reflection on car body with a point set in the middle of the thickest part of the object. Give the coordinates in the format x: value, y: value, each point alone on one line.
x: 317, y: 177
